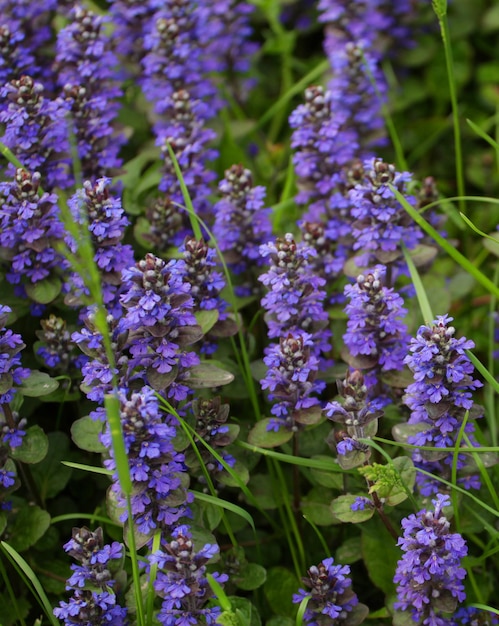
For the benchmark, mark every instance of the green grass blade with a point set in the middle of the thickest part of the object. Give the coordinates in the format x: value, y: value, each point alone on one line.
x: 185, y: 193
x: 10, y: 593
x: 112, y: 405
x: 424, y: 303
x: 483, y: 371
x: 447, y: 247
x: 481, y: 133
x: 477, y: 230
x: 153, y: 572
x: 31, y: 580
x: 88, y: 468
x: 229, y: 506
x: 79, y: 516
x: 301, y: 610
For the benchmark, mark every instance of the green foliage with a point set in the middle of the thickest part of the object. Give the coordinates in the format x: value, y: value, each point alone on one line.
x: 34, y: 446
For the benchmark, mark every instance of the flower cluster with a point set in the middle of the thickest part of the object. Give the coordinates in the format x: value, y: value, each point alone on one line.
x: 331, y: 599
x: 11, y: 371
x: 159, y: 499
x: 291, y: 379
x: 95, y: 208
x: 324, y: 146
x: 29, y: 229
x: 382, y: 224
x: 242, y: 224
x: 375, y: 337
x: 163, y: 224
x: 188, y: 137
x: 56, y: 348
x: 94, y: 598
x: 182, y: 583
x: 159, y: 319
x: 36, y: 130
x: 294, y: 301
x: 25, y: 32
x: 211, y: 428
x: 429, y: 575
x: 358, y: 415
x: 86, y: 68
x: 439, y: 399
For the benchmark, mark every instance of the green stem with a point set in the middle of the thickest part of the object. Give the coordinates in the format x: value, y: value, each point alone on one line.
x: 441, y: 11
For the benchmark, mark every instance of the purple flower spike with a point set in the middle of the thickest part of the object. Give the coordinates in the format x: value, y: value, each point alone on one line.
x: 382, y: 224
x: 242, y: 224
x: 36, y: 130
x: 93, y: 600
x: 292, y: 370
x: 87, y: 74
x: 294, y: 301
x: 182, y: 583
x: 439, y: 399
x: 30, y: 228
x: 376, y: 338
x: 11, y: 372
x: 331, y: 599
x: 429, y: 575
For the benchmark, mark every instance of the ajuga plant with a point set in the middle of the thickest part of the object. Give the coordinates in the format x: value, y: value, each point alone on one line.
x: 219, y: 230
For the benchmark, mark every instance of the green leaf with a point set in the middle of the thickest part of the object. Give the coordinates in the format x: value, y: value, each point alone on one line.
x: 205, y: 376
x: 261, y: 488
x: 251, y: 577
x: 263, y: 438
x: 492, y: 243
x: 246, y: 612
x: 279, y: 588
x: 3, y: 523
x: 11, y: 614
x: 316, y: 506
x: 38, y: 384
x: 85, y: 433
x: 50, y: 475
x: 207, y: 319
x: 44, y: 291
x: 325, y: 478
x: 29, y: 523
x: 341, y: 508
x: 279, y: 620
x: 349, y: 551
x: 380, y: 555
x: 229, y: 480
x: 33, y: 448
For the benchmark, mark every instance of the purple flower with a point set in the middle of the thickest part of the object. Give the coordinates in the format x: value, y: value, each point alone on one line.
x: 36, y: 131
x: 375, y: 337
x: 294, y: 301
x: 358, y: 416
x: 439, y: 398
x: 382, y: 224
x: 93, y: 600
x: 182, y: 583
x: 11, y: 372
x: 30, y: 228
x: 155, y: 467
x: 291, y: 378
x: 242, y: 224
x: 87, y: 68
x: 330, y: 595
x: 96, y: 209
x: 429, y: 575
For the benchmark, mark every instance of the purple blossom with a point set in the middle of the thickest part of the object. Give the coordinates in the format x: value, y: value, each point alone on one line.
x: 93, y: 600
x: 36, y: 131
x: 291, y: 378
x: 95, y: 208
x: 375, y: 337
x: 330, y: 595
x: 87, y: 69
x: 429, y: 575
x: 439, y: 398
x: 11, y: 372
x: 159, y: 499
x: 358, y: 415
x: 182, y: 583
x: 56, y: 348
x: 382, y: 224
x: 242, y: 224
x: 30, y: 227
x: 294, y: 301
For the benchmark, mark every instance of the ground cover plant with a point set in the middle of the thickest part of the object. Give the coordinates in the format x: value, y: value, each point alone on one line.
x: 248, y: 327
